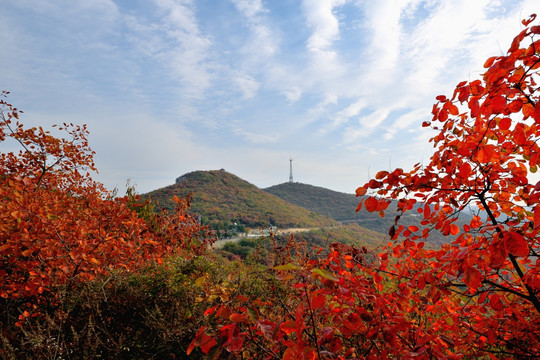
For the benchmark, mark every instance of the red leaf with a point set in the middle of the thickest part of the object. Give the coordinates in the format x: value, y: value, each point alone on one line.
x: 465, y: 170
x: 443, y: 115
x: 516, y: 244
x: 464, y: 94
x: 472, y: 277
x: 495, y: 302
x: 498, y: 103
x: 291, y: 354
x: 207, y: 343
x: 515, y: 106
x: 529, y: 20
x: 288, y: 327
x: 474, y: 106
x: 210, y: 311
x: 536, y: 218
x: 505, y: 123
x: 318, y: 302
x: 237, y: 318
x: 371, y: 204
x: 453, y: 109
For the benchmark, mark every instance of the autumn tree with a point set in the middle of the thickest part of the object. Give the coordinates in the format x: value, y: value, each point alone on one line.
x: 59, y: 227
x: 486, y: 156
x: 476, y: 297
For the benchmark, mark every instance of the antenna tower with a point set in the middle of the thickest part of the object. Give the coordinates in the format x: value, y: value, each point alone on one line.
x: 290, y: 172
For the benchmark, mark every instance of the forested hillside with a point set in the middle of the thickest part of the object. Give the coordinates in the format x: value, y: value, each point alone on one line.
x: 342, y: 207
x: 337, y: 205
x: 223, y: 198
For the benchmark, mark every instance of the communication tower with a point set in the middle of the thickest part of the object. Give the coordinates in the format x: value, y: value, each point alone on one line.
x: 290, y: 172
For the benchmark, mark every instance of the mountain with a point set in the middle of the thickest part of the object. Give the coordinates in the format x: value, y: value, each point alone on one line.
x: 222, y: 198
x: 342, y: 207
x: 337, y: 205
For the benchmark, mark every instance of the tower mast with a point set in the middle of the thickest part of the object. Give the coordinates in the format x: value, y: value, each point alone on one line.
x: 290, y: 172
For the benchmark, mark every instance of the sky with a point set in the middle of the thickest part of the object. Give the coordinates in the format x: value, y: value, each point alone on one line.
x: 167, y: 87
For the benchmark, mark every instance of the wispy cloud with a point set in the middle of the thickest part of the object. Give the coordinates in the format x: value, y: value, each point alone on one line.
x: 248, y: 85
x: 324, y: 25
x: 263, y: 42
x: 187, y: 51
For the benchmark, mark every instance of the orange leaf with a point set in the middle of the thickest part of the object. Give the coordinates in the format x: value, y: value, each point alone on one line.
x: 381, y: 174
x: 5, y: 247
x: 361, y: 191
x: 489, y: 61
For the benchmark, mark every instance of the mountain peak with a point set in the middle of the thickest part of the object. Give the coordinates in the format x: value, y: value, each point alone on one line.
x: 219, y: 196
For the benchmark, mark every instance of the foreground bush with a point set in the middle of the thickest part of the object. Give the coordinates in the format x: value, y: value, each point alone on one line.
x: 153, y: 313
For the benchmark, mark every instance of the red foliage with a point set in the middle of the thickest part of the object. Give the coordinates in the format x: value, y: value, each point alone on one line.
x: 58, y: 226
x: 485, y: 152
x: 475, y: 297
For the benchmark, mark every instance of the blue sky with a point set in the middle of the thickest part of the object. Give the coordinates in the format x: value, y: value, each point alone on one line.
x: 172, y: 86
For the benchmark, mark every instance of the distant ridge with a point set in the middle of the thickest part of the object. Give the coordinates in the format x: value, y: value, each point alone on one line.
x: 342, y: 207
x: 337, y: 205
x: 219, y: 196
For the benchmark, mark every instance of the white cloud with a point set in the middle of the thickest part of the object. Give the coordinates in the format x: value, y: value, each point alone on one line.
x: 405, y: 121
x: 324, y: 24
x: 264, y: 43
x: 343, y: 116
x: 366, y: 125
x: 250, y: 8
x: 187, y: 57
x: 293, y: 94
x: 248, y: 86
x: 258, y: 137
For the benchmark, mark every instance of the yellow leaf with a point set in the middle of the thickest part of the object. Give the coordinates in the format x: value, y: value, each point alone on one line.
x: 200, y: 282
x: 325, y: 274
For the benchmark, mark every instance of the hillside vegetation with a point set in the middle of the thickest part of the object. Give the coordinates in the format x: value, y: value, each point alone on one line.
x: 342, y: 207
x: 337, y: 205
x: 221, y: 197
